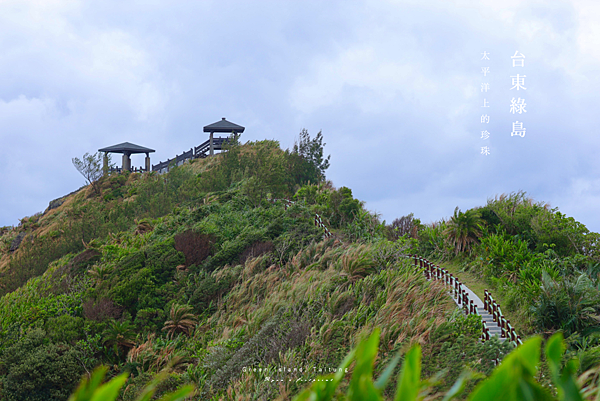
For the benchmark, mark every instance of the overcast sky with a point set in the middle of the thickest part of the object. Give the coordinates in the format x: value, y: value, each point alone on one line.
x: 395, y: 87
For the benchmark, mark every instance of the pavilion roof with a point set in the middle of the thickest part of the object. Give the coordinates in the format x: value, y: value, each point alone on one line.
x: 126, y: 147
x: 224, y: 126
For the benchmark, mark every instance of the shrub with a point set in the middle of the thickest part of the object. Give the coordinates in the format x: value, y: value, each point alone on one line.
x: 230, y: 250
x: 65, y: 329
x: 433, y: 242
x: 80, y: 263
x: 405, y: 225
x: 205, y: 290
x: 101, y: 309
x: 504, y: 255
x: 195, y: 247
x: 162, y: 260
x: 570, y: 305
x: 255, y: 250
x: 34, y: 370
x: 149, y: 320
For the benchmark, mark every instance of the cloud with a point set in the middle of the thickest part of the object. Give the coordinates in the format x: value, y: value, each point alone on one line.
x: 393, y: 85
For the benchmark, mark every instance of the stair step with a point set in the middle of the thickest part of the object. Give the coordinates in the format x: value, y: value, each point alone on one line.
x: 493, y: 328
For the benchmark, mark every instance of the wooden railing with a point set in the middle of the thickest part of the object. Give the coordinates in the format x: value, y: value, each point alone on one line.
x: 194, y: 153
x: 200, y: 150
x: 458, y: 290
x: 318, y: 220
x: 178, y: 159
x: 493, y: 308
x: 132, y: 169
x: 460, y: 294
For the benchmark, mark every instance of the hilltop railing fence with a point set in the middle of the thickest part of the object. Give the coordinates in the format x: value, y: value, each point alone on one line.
x: 197, y: 152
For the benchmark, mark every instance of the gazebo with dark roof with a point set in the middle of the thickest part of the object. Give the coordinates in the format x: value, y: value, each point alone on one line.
x: 222, y: 126
x: 127, y: 149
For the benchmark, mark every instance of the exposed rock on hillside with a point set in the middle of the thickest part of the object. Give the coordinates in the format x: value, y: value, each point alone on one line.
x: 17, y: 241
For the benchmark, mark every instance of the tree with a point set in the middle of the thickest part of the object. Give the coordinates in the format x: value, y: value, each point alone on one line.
x: 463, y: 229
x: 90, y: 166
x: 120, y: 335
x: 311, y: 151
x: 182, y: 321
x: 516, y: 212
x: 403, y: 225
x: 568, y: 235
x: 36, y: 369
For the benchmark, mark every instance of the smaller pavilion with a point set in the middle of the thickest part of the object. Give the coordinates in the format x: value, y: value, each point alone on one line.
x: 222, y: 126
x: 127, y: 149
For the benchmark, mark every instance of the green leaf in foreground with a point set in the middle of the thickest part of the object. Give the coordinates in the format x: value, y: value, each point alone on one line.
x: 93, y: 390
x: 410, y: 377
x: 324, y: 390
x: 459, y: 386
x: 565, y: 381
x: 514, y: 379
x: 361, y: 384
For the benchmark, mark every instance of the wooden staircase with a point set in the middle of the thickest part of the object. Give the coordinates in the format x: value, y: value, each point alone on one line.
x: 491, y: 327
x: 494, y: 322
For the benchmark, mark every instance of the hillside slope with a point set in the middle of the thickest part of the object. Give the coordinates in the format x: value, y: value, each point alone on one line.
x: 196, y: 272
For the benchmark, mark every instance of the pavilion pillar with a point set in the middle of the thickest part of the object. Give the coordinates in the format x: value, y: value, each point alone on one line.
x: 105, y: 164
x: 126, y: 162
x: 147, y: 162
x: 212, y: 148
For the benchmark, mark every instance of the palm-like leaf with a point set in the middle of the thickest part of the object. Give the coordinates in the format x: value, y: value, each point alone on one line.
x: 463, y: 229
x: 182, y: 321
x: 570, y: 305
x: 100, y: 272
x: 119, y: 334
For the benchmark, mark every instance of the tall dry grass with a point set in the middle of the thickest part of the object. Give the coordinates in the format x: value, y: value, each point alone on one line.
x: 319, y: 305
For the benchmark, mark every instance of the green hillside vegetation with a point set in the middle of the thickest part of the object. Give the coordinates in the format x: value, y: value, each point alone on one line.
x: 202, y: 275
x: 543, y: 265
